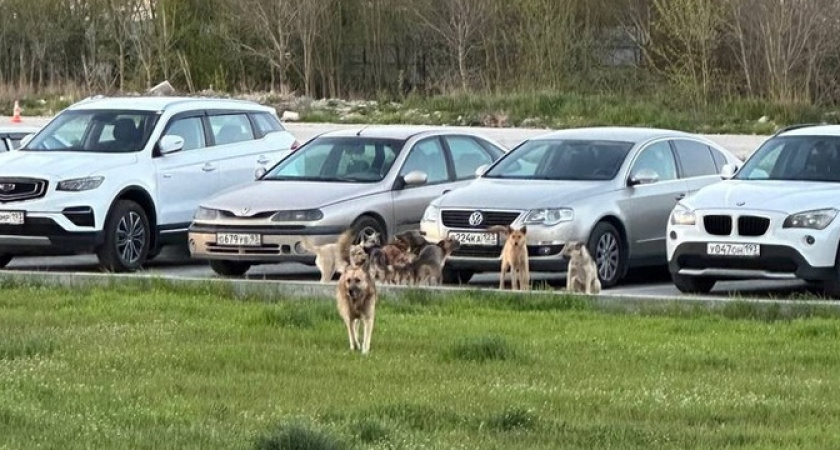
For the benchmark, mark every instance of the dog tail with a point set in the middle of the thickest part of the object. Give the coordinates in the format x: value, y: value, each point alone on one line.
x: 309, y: 246
x: 344, y: 242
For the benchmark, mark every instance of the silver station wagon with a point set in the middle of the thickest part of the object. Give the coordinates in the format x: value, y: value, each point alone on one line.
x: 375, y: 180
x: 610, y: 187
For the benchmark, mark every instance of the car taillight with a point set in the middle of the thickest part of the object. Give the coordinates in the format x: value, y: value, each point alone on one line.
x: 295, y: 145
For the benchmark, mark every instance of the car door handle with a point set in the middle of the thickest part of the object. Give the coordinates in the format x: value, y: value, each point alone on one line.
x: 680, y: 196
x: 263, y: 160
x: 209, y: 167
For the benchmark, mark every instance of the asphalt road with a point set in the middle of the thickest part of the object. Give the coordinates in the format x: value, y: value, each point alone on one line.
x: 649, y: 282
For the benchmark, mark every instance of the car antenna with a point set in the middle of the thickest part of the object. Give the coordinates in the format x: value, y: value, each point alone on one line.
x: 359, y: 133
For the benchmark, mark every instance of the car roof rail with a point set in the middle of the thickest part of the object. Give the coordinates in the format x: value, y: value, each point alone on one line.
x: 796, y: 127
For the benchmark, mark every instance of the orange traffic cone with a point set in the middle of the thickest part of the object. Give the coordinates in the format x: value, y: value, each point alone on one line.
x: 16, y: 117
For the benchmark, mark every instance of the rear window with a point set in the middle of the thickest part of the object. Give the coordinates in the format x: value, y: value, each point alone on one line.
x: 695, y: 159
x: 266, y: 123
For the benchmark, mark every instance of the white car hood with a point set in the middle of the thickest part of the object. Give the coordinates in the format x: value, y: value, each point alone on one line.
x: 264, y: 196
x: 61, y: 165
x: 522, y: 194
x: 781, y: 196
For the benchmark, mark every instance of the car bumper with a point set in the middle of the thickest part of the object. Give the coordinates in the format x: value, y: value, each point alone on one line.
x: 276, y: 244
x: 46, y: 236
x: 545, y: 245
x: 776, y: 262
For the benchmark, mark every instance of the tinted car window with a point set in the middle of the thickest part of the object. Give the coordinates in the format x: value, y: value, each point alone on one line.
x: 102, y: 131
x: 427, y: 156
x: 658, y: 158
x: 467, y: 155
x: 562, y: 160
x: 190, y: 129
x: 695, y: 159
x: 720, y: 160
x: 344, y: 159
x: 231, y: 128
x: 266, y: 123
x: 799, y: 158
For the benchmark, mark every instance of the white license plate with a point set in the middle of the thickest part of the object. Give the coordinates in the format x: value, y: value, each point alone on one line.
x: 466, y: 238
x: 11, y: 217
x: 721, y: 249
x: 239, y: 240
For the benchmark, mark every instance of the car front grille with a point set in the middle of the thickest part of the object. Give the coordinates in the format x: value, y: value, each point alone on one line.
x: 20, y: 189
x: 461, y: 218
x: 718, y: 225
x: 752, y: 225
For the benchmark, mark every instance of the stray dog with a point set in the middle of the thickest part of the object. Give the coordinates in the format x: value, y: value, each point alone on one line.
x: 357, y: 255
x: 413, y: 241
x: 356, y: 300
x: 514, y: 258
x: 333, y: 257
x: 427, y: 267
x: 582, y: 274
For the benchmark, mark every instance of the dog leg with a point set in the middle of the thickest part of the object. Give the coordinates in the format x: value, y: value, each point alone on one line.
x: 368, y: 327
x: 502, y: 275
x: 351, y: 334
x: 569, y: 279
x: 526, y: 276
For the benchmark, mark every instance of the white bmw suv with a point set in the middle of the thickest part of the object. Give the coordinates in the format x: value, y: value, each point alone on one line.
x: 776, y: 218
x: 122, y: 177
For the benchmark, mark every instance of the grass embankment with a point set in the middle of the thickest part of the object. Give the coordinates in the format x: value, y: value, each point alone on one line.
x: 550, y: 109
x: 169, y: 367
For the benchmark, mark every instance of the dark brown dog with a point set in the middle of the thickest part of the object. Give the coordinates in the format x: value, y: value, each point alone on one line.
x: 356, y: 301
x: 427, y: 267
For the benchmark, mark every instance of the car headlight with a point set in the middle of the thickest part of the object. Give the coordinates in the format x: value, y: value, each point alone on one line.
x: 817, y: 219
x: 549, y: 216
x: 206, y: 214
x: 683, y: 216
x: 80, y: 184
x: 307, y: 215
x: 431, y: 214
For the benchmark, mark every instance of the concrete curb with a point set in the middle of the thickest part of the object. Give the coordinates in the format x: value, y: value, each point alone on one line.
x: 274, y: 291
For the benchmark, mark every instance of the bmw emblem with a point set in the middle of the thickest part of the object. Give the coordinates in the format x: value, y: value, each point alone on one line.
x: 476, y: 218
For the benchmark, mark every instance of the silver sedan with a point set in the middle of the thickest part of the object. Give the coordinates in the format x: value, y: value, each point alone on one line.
x: 610, y: 187
x: 374, y: 180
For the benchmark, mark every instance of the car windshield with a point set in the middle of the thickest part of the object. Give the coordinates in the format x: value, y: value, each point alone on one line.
x: 99, y: 131
x: 556, y: 159
x: 355, y: 159
x: 796, y: 158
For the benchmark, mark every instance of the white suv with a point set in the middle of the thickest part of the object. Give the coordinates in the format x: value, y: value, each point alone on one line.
x: 122, y: 177
x: 775, y: 219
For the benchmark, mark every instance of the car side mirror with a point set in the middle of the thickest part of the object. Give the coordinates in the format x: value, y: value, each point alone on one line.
x: 728, y: 171
x: 260, y: 172
x: 26, y: 139
x: 643, y: 176
x: 415, y: 178
x: 170, y: 144
x: 479, y: 171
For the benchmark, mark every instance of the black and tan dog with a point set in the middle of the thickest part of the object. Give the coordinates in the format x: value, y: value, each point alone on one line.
x: 356, y: 301
x: 427, y: 267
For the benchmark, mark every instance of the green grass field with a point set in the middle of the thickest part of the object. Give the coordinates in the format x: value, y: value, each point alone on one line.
x: 169, y: 367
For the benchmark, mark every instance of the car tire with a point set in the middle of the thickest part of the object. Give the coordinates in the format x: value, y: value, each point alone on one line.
x: 365, y: 226
x: 457, y: 276
x: 606, y: 247
x: 229, y: 268
x: 5, y: 259
x: 127, y: 238
x: 693, y: 285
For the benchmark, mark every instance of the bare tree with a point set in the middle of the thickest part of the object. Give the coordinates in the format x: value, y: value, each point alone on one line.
x: 458, y: 23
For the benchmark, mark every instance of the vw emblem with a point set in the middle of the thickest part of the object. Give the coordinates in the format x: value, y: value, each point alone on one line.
x: 7, y: 187
x: 476, y: 218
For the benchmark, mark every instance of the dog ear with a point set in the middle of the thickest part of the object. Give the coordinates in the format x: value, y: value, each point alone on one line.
x: 524, y: 229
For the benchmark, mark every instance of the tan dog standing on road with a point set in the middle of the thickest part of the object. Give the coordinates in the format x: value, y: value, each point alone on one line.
x: 514, y: 257
x: 333, y: 257
x: 582, y: 274
x: 356, y: 301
